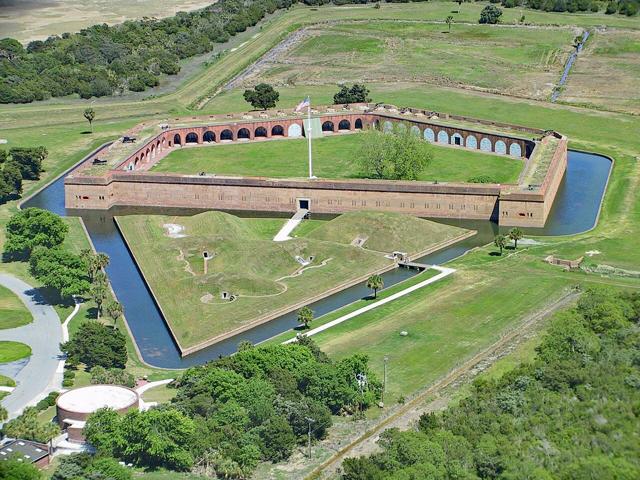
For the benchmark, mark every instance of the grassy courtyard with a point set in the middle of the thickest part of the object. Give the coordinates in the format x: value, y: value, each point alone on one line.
x: 13, y: 313
x: 263, y: 275
x: 334, y: 156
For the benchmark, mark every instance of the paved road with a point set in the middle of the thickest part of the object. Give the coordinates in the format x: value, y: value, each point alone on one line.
x: 42, y: 374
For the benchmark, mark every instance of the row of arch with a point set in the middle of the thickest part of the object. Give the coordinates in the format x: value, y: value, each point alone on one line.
x: 470, y: 141
x: 344, y: 124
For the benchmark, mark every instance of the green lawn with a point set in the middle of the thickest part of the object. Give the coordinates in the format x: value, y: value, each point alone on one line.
x: 333, y: 157
x: 518, y: 61
x: 6, y: 381
x: 12, y: 351
x: 13, y: 313
x: 262, y: 274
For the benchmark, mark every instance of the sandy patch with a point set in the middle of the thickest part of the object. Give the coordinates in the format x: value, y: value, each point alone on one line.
x: 173, y: 230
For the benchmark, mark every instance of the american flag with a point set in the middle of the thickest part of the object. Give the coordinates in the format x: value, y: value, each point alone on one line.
x: 303, y: 104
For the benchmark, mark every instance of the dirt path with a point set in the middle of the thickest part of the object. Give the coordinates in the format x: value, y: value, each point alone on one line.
x: 409, y: 413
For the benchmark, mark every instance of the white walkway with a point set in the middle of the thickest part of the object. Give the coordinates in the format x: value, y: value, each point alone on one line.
x: 283, y: 234
x: 444, y: 272
x: 39, y: 376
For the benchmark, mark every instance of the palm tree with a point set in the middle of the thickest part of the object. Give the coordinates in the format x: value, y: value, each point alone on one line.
x: 449, y: 21
x: 515, y: 234
x: 114, y: 310
x: 305, y: 316
x: 375, y: 283
x: 98, y: 291
x: 89, y: 114
x: 95, y: 262
x: 500, y: 241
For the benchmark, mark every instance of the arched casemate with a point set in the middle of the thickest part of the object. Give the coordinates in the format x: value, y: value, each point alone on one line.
x: 260, y: 132
x: 456, y: 139
x: 515, y: 150
x: 244, y: 134
x: 191, y: 137
x: 485, y: 145
x: 358, y: 124
x: 295, y: 130
x: 429, y: 136
x: 277, y: 131
x: 344, y: 125
x: 501, y: 147
x: 226, y: 135
x: 443, y: 137
x: 177, y: 140
x: 471, y: 142
x: 327, y: 126
x: 209, y: 136
x: 415, y: 130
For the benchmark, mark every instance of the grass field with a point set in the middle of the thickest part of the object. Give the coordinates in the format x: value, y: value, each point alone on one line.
x: 264, y: 275
x: 12, y: 351
x: 13, y: 313
x: 608, y: 54
x: 333, y: 157
x: 524, y: 61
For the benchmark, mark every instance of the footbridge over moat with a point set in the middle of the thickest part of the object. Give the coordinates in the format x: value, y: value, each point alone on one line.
x: 122, y: 176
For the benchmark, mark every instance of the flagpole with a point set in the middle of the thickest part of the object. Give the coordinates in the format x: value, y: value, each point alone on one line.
x: 309, y: 140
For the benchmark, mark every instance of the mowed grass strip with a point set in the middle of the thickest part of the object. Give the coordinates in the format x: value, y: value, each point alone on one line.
x: 13, y: 312
x: 12, y: 351
x: 334, y: 156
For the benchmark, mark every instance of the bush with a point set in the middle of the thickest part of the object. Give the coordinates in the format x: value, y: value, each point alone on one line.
x: 112, y: 376
x: 490, y: 15
x: 97, y: 344
x: 482, y: 179
x: 48, y: 401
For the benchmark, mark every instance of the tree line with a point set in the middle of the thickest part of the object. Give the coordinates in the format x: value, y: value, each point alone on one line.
x: 227, y: 416
x: 18, y: 164
x: 623, y: 7
x: 572, y: 413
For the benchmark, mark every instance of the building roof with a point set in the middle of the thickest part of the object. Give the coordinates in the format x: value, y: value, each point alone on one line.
x: 91, y: 398
x: 23, y: 450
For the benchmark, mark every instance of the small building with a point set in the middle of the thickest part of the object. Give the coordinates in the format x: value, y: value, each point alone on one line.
x: 75, y: 406
x: 25, y: 451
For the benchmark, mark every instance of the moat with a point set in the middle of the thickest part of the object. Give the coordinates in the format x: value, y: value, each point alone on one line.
x: 575, y: 210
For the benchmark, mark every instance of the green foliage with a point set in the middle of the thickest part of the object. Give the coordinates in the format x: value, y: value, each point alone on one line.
x: 490, y: 14
x: 624, y: 7
x: 572, y: 414
x: 33, y: 227
x: 262, y: 97
x: 112, y: 376
x: 29, y: 160
x: 500, y: 241
x: 28, y: 427
x: 89, y: 114
x: 60, y: 269
x: 15, y: 469
x: 48, y: 401
x: 10, y: 180
x: 253, y: 406
x: 97, y: 344
x: 357, y: 93
x: 395, y: 155
x: 80, y: 466
x: 516, y: 234
x: 375, y: 283
x: 482, y: 179
x: 305, y: 316
x: 99, y: 290
x: 160, y: 437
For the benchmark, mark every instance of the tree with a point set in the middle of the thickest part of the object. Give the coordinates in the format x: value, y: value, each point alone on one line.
x: 89, y: 114
x: 28, y: 426
x: 10, y: 180
x: 449, y: 21
x: 95, y: 262
x: 97, y: 344
x: 397, y: 154
x: 114, y: 310
x: 29, y: 160
x: 278, y: 439
x: 59, y: 269
x: 14, y: 469
x: 375, y: 283
x: 490, y: 14
x: 358, y: 93
x: 515, y: 234
x: 262, y: 97
x: 305, y: 316
x: 98, y: 291
x: 32, y: 227
x: 500, y: 241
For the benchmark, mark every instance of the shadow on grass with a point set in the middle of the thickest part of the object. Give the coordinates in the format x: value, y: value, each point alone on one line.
x: 495, y: 254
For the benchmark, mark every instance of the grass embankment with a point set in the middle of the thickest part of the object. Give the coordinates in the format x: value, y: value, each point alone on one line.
x: 334, y: 156
x: 265, y: 276
x: 12, y: 351
x: 13, y: 313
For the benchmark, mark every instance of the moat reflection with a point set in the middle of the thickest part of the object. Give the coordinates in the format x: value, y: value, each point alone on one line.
x: 575, y: 210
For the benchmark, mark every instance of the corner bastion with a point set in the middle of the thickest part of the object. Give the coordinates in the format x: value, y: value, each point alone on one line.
x: 119, y: 175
